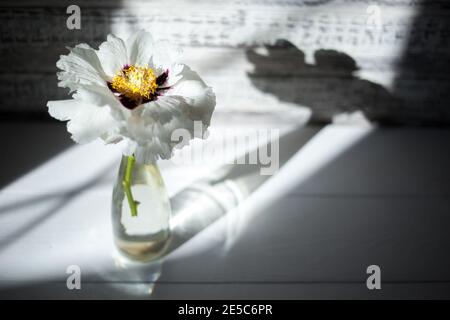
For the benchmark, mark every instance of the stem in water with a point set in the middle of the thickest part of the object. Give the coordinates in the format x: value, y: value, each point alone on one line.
x: 127, y: 186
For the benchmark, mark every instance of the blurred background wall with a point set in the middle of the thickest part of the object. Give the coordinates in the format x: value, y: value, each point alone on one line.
x: 292, y: 59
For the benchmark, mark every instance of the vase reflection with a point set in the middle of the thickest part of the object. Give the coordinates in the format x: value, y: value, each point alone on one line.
x: 213, y: 197
x: 136, y: 278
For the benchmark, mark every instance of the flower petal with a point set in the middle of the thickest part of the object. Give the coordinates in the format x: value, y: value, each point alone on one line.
x: 99, y: 96
x: 64, y: 110
x: 113, y: 55
x: 158, y: 144
x: 80, y: 66
x: 175, y: 72
x: 164, y: 108
x: 140, y: 49
x: 197, y: 94
x: 86, y: 121
x: 102, y: 96
x: 149, y: 134
x: 165, y: 56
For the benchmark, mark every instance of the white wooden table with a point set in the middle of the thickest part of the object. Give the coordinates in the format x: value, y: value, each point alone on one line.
x: 348, y: 197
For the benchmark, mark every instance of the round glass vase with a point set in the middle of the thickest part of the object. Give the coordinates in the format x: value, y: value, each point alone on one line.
x: 143, y: 233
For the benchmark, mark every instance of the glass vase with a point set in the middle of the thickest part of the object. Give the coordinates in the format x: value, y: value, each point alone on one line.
x: 142, y: 234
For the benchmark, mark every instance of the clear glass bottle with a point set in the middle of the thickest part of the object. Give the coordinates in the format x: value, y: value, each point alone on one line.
x: 145, y: 236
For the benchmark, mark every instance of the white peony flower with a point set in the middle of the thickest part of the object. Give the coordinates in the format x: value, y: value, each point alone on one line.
x: 135, y: 91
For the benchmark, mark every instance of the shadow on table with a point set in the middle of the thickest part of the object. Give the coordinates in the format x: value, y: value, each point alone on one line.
x: 365, y: 203
x: 27, y: 144
x: 328, y: 87
x: 209, y: 199
x: 194, y: 209
x: 320, y: 245
x: 58, y: 201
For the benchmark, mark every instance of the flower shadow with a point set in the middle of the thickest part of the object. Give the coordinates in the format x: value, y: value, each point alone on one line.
x: 328, y: 87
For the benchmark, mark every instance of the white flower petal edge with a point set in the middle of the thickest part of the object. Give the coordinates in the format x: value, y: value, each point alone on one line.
x: 200, y: 98
x: 146, y: 131
x: 87, y: 122
x: 112, y: 55
x: 80, y: 66
x: 140, y: 48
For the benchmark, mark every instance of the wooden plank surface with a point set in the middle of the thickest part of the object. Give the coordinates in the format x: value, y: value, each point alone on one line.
x: 348, y: 197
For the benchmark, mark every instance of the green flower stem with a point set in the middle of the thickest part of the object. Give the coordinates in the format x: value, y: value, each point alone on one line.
x: 127, y: 186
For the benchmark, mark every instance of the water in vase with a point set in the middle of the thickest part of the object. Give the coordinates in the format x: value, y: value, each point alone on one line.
x: 146, y: 235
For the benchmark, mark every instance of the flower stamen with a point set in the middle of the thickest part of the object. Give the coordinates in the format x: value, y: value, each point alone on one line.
x: 135, y: 83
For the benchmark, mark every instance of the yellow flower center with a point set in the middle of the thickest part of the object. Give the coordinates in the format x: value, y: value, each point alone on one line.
x: 135, y: 82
